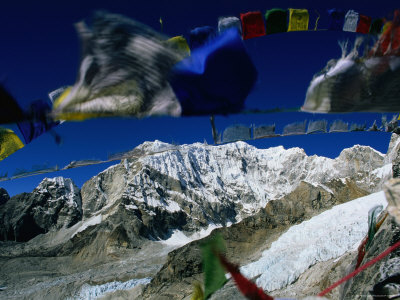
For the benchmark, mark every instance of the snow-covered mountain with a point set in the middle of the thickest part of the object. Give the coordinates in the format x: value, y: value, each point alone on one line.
x: 220, y: 184
x: 54, y: 204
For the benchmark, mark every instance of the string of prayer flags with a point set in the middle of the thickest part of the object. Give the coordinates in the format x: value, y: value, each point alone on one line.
x: 9, y: 143
x: 364, y: 24
x: 276, y: 20
x: 225, y: 23
x: 351, y: 21
x: 252, y: 25
x: 351, y: 84
x: 201, y: 36
x: 216, y: 78
x: 336, y: 19
x: 298, y: 19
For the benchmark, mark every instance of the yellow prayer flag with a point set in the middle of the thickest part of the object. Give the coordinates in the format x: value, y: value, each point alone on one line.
x: 298, y: 19
x: 179, y: 43
x: 9, y: 143
x: 198, y: 293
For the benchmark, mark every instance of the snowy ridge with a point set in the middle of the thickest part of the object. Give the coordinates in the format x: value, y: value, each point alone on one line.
x: 255, y: 176
x: 323, y: 237
x: 69, y: 193
x: 90, y: 292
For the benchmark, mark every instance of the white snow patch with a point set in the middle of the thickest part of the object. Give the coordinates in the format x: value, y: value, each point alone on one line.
x: 323, y: 237
x: 130, y: 207
x: 385, y: 171
x: 91, y: 222
x: 172, y: 206
x: 89, y: 292
x: 178, y: 238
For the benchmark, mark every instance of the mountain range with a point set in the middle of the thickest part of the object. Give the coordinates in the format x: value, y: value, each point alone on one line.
x: 134, y: 230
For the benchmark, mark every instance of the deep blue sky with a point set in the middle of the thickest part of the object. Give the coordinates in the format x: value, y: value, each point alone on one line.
x: 40, y: 52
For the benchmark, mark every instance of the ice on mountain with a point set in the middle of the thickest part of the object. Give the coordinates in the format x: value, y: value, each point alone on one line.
x: 323, y: 237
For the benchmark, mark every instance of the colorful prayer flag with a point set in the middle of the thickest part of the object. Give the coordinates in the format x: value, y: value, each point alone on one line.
x: 198, y: 293
x: 351, y: 21
x: 201, y: 36
x: 214, y: 273
x: 124, y: 72
x: 245, y: 286
x: 216, y: 78
x: 276, y: 20
x: 364, y: 24
x: 336, y: 19
x: 9, y: 143
x: 298, y: 19
x: 225, y: 23
x: 376, y: 26
x: 179, y: 44
x: 252, y: 24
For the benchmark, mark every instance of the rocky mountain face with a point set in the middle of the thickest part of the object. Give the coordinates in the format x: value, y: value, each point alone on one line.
x: 54, y: 204
x: 122, y: 221
x: 4, y: 197
x: 191, y: 186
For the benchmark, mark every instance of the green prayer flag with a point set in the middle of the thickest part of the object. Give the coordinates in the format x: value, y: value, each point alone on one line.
x: 214, y: 273
x: 276, y: 20
x: 372, y: 217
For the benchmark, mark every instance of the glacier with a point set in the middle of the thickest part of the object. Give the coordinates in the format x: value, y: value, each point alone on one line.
x: 326, y: 236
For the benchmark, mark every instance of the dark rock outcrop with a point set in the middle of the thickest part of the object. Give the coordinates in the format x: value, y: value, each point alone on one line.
x: 4, y: 197
x: 362, y: 286
x: 54, y: 204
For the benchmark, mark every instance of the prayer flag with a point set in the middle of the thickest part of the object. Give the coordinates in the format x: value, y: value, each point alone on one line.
x: 336, y: 19
x: 9, y: 143
x: 216, y: 78
x: 364, y: 24
x: 298, y: 19
x: 225, y: 23
x: 201, y: 36
x: 351, y: 21
x: 252, y: 24
x: 214, y: 273
x: 276, y: 20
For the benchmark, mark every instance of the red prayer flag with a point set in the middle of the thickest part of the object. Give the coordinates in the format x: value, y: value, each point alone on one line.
x: 246, y: 287
x: 252, y: 25
x: 364, y: 24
